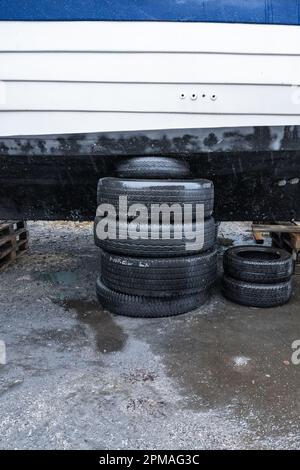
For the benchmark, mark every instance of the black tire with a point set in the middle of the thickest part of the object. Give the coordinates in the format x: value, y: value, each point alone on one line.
x: 135, y: 306
x: 160, y: 277
x: 153, y: 167
x: 256, y: 295
x: 169, y: 247
x: 157, y: 192
x: 258, y: 264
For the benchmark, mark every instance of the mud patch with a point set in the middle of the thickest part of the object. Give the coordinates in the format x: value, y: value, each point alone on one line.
x: 139, y: 376
x: 147, y: 406
x: 223, y: 241
x: 109, y: 336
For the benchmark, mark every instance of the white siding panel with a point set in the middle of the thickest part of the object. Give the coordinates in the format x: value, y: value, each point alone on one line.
x: 149, y: 37
x: 68, y: 77
x: 147, y: 68
x: 150, y: 98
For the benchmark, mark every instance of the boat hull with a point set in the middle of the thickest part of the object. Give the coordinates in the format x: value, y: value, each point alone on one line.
x: 256, y: 171
x: 77, y: 96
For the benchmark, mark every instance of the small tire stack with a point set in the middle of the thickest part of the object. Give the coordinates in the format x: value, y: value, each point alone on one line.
x: 155, y: 277
x: 257, y: 276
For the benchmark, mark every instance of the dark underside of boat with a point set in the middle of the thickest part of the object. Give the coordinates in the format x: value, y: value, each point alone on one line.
x: 256, y: 170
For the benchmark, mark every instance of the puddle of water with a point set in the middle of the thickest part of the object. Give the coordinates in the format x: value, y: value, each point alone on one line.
x: 60, y: 277
x: 109, y: 336
x: 236, y: 357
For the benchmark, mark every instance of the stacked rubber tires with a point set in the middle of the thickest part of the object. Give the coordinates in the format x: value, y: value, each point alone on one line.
x: 155, y: 276
x: 257, y: 276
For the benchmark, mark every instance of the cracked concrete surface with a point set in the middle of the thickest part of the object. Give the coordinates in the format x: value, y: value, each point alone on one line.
x: 78, y: 377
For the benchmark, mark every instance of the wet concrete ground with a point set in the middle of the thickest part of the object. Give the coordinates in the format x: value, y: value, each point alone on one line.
x: 78, y: 377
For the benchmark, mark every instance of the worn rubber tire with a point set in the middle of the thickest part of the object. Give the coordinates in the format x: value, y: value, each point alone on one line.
x: 159, y: 277
x: 153, y: 167
x: 256, y: 295
x: 258, y: 264
x: 170, y: 247
x: 135, y: 306
x: 150, y: 192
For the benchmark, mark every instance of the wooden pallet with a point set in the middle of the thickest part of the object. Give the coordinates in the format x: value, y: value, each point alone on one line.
x: 283, y: 235
x: 13, y: 241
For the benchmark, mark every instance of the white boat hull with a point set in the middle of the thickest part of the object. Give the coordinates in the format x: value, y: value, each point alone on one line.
x: 80, y: 77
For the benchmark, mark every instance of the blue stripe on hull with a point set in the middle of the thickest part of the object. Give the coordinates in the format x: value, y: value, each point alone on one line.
x: 223, y: 11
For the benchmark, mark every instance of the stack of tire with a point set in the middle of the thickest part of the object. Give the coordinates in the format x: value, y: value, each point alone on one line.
x: 257, y: 276
x: 155, y: 277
